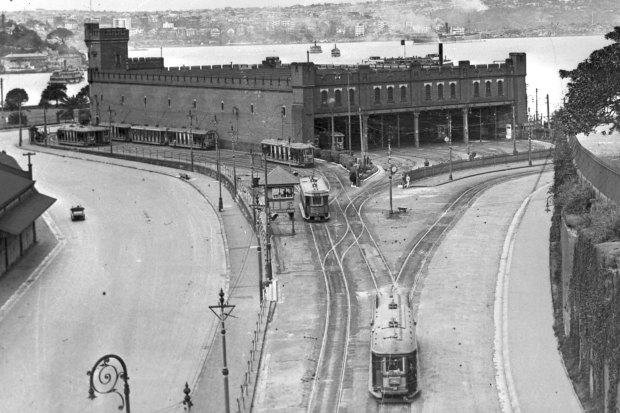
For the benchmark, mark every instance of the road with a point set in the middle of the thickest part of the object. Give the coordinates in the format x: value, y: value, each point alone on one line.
x: 134, y: 279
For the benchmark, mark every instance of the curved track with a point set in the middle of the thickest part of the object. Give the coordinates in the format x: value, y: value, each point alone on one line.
x: 344, y: 245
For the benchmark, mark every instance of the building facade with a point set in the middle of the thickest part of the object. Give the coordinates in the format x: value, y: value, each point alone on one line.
x: 20, y: 205
x: 405, y: 102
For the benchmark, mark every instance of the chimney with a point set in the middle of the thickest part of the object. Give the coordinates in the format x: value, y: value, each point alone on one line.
x: 440, y: 54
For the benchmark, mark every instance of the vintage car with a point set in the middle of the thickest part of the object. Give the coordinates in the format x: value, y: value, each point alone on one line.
x: 77, y: 213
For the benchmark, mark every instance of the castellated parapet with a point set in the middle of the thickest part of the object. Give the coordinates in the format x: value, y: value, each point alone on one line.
x: 144, y: 91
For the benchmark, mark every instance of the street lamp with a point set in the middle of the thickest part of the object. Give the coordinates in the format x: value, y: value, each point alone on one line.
x: 105, y: 375
x: 110, y: 121
x: 191, y: 139
x: 224, y: 312
x: 392, y: 169
x: 529, y: 144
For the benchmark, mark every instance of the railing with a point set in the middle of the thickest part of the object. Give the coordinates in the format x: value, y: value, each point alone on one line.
x: 604, y: 179
x: 444, y: 168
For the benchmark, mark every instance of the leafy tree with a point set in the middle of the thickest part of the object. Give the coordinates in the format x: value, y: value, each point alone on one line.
x: 54, y: 91
x: 14, y: 97
x: 61, y: 34
x: 593, y: 96
x: 85, y: 93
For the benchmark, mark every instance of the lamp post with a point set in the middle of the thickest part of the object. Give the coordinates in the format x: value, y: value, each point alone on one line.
x: 267, y: 228
x: 448, y: 140
x: 191, y: 140
x: 19, y: 104
x: 349, y: 112
x: 105, y: 375
x: 514, y: 132
x: 331, y: 102
x: 224, y: 312
x: 217, y: 150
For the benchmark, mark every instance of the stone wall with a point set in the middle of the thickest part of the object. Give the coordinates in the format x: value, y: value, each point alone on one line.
x: 591, y: 307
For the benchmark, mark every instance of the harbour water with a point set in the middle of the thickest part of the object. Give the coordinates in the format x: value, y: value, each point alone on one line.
x: 545, y: 57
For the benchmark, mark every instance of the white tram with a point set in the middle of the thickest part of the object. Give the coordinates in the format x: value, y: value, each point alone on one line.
x: 394, y: 351
x: 80, y: 135
x: 314, y: 194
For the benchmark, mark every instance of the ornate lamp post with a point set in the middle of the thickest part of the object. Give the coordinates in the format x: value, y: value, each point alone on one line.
x: 104, y: 377
x: 29, y: 154
x: 224, y: 312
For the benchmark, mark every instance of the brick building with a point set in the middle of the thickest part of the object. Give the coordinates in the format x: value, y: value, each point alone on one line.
x: 407, y: 102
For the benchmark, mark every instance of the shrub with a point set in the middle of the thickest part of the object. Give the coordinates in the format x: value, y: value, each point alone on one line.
x: 14, y: 118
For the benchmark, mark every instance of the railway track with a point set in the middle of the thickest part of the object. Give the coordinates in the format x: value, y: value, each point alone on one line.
x: 354, y: 266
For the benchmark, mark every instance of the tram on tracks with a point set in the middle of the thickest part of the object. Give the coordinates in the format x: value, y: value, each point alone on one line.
x: 314, y: 195
x: 394, y: 353
x: 83, y: 135
x: 181, y: 137
x: 282, y: 151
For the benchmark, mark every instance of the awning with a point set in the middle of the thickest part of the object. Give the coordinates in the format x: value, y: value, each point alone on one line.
x: 24, y: 214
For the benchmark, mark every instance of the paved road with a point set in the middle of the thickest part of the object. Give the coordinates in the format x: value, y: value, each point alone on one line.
x: 135, y: 279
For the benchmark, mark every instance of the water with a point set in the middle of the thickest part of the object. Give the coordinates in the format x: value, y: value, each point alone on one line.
x: 34, y: 84
x: 545, y: 57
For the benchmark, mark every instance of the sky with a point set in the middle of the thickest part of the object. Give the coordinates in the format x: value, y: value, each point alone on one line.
x: 149, y: 5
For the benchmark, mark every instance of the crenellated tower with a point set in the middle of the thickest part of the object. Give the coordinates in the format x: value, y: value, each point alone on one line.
x: 107, y: 48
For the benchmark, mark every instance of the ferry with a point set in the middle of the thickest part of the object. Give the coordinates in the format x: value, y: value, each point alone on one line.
x: 316, y: 48
x: 335, y: 51
x: 65, y: 76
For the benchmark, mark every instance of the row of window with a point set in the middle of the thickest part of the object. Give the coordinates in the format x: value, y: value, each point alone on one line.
x: 428, y: 93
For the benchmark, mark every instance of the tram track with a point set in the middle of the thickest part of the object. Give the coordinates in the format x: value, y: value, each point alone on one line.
x: 356, y: 238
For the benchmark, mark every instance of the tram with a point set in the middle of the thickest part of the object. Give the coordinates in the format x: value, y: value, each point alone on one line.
x: 394, y: 353
x: 80, y: 135
x: 282, y: 151
x: 314, y: 194
x: 154, y: 135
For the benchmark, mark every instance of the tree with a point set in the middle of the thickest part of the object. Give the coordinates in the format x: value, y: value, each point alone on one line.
x: 71, y: 103
x: 54, y: 91
x: 14, y: 98
x: 593, y: 96
x: 61, y: 34
x: 85, y: 93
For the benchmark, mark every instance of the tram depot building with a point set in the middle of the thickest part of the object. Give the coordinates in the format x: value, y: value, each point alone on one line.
x: 409, y: 104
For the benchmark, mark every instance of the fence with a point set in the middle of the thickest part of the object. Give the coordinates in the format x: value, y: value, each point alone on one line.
x: 604, y: 179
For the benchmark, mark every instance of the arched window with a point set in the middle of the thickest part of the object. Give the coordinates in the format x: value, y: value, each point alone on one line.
x: 500, y: 88
x: 324, y: 97
x: 403, y: 93
x: 440, y: 91
x: 487, y: 88
x: 427, y: 92
x: 452, y: 90
x: 377, y: 95
x: 390, y: 93
x: 352, y: 96
x: 477, y: 89
x: 338, y: 95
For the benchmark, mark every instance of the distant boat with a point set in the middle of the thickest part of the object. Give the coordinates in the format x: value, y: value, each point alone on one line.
x: 425, y: 37
x: 335, y: 51
x: 65, y: 76
x: 465, y: 37
x: 316, y: 48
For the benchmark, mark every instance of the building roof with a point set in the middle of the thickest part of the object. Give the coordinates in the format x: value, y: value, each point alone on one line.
x: 281, y: 177
x: 12, y: 185
x: 19, y: 217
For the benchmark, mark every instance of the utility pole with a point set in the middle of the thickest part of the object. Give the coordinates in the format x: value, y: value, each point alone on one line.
x: 20, y: 120
x: 29, y: 154
x: 110, y: 121
x: 267, y: 228
x: 536, y: 119
x: 514, y: 132
x: 450, y: 143
x: 191, y: 140
x: 359, y: 111
x: 391, y: 172
x: 349, y: 112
